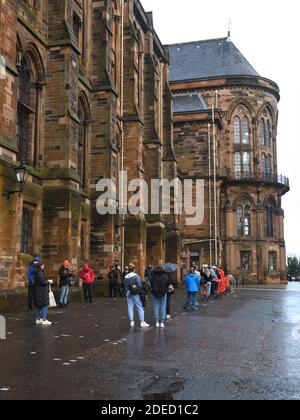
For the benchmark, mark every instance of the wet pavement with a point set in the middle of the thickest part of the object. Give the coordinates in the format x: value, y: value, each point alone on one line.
x: 244, y: 346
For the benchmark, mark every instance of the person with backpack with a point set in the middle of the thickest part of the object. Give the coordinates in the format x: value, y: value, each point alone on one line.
x: 88, y: 277
x: 159, y: 287
x: 65, y: 281
x: 133, y: 287
x: 30, y: 278
x: 192, y: 287
x: 41, y: 295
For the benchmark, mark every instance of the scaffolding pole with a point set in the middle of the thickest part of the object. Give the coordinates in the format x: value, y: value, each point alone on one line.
x: 209, y: 194
x: 215, y: 183
x: 122, y: 135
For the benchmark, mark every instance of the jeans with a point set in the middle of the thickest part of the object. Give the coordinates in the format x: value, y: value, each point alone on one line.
x: 41, y: 313
x: 191, y: 299
x: 208, y: 288
x: 88, y: 292
x: 132, y: 301
x: 64, y: 294
x: 160, y: 308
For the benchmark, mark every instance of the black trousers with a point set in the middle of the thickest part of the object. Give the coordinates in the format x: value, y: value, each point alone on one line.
x: 30, y: 296
x: 114, y: 290
x: 88, y: 292
x: 169, y: 303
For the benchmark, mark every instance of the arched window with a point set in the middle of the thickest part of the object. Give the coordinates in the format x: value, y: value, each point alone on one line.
x: 246, y: 164
x: 269, y: 218
x: 246, y: 131
x: 238, y: 165
x: 29, y: 107
x: 262, y: 132
x: 242, y: 165
x: 243, y: 220
x: 237, y: 130
x: 264, y: 164
x: 83, y: 140
x: 268, y: 134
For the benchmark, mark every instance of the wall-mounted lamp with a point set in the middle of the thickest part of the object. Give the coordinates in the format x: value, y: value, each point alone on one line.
x: 22, y: 176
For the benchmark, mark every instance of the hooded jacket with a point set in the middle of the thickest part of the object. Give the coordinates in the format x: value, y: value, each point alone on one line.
x: 87, y: 275
x: 31, y: 270
x: 192, y: 282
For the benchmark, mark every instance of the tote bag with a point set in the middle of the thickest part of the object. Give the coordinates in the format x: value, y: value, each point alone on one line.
x: 52, y: 301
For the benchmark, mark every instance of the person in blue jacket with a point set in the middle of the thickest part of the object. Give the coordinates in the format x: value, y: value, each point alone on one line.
x: 30, y: 277
x: 192, y: 287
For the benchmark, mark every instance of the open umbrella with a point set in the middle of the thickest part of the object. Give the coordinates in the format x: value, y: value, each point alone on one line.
x: 170, y: 267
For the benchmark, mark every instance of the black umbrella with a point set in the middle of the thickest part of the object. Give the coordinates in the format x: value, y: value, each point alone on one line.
x: 170, y: 267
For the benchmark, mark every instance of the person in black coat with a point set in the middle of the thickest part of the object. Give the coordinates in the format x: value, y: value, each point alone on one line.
x: 41, y: 295
x: 160, y: 283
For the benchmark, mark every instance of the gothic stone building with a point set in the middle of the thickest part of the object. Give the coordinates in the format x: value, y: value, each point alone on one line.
x: 249, y: 218
x: 85, y: 94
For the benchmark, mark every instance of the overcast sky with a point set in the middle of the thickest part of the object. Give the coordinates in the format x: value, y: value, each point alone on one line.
x: 268, y: 34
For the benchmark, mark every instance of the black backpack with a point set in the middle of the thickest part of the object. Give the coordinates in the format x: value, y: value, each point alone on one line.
x: 134, y: 288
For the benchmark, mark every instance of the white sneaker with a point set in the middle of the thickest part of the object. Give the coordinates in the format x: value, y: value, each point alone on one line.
x: 162, y: 325
x: 144, y: 325
x: 169, y: 317
x: 157, y: 325
x: 46, y: 323
x: 39, y: 322
x: 132, y: 324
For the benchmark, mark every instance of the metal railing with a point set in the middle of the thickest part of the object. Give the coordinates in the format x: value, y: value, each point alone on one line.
x: 258, y: 177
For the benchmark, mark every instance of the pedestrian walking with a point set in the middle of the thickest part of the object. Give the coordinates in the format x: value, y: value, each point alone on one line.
x: 88, y: 277
x: 159, y: 288
x: 133, y: 287
x: 30, y: 278
x: 65, y: 281
x: 41, y: 295
x: 192, y: 287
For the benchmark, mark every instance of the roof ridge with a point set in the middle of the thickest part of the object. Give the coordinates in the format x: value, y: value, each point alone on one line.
x: 196, y: 42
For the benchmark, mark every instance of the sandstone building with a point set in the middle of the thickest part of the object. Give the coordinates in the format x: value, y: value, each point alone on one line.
x: 85, y: 80
x: 219, y: 95
x: 86, y: 92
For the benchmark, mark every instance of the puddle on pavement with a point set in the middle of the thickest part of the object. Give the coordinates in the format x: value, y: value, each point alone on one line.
x: 165, y: 396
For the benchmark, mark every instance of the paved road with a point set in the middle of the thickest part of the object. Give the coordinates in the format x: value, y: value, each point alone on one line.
x: 245, y: 346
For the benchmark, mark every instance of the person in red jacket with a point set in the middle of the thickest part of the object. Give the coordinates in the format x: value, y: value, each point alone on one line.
x: 88, y: 277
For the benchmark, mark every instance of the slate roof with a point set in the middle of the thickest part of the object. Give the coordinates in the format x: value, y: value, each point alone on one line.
x: 207, y: 59
x: 189, y: 103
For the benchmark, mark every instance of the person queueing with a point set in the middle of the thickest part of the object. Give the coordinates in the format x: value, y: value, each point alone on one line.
x: 113, y: 278
x: 30, y: 277
x: 65, y: 277
x: 159, y: 287
x: 41, y: 295
x: 88, y: 277
x: 119, y: 280
x: 192, y: 287
x: 205, y: 284
x: 133, y: 287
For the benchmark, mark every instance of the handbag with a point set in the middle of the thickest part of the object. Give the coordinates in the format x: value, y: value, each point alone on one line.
x: 52, y: 301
